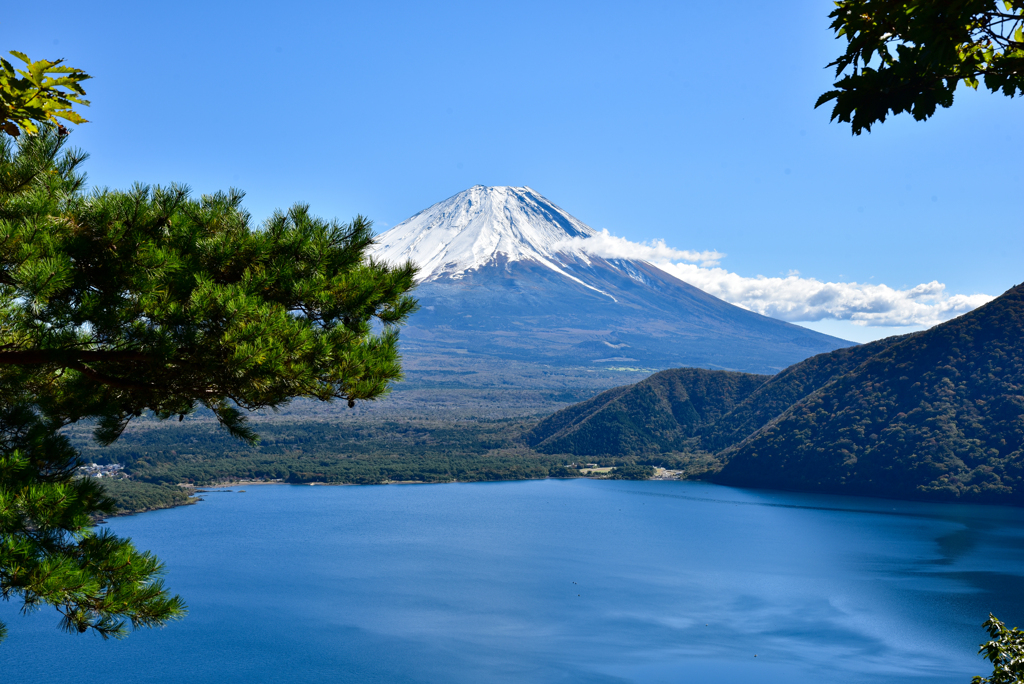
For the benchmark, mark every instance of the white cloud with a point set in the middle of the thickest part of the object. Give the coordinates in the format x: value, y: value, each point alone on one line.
x: 604, y: 244
x: 793, y: 298
x: 805, y: 299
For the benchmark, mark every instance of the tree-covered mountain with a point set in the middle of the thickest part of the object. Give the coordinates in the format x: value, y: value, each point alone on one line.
x: 686, y: 409
x: 658, y: 414
x: 937, y: 414
x: 783, y: 390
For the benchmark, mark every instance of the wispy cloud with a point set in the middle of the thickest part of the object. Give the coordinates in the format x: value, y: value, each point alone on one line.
x: 793, y: 298
x: 610, y: 246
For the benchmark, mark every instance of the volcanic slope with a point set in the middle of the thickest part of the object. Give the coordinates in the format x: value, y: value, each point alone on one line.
x: 937, y: 414
x: 506, y: 274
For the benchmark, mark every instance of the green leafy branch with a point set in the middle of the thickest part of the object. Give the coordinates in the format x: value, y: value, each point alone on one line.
x: 910, y: 55
x: 1005, y: 651
x: 43, y: 91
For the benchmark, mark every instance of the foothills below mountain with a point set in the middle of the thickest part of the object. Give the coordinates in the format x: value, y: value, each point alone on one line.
x: 506, y: 274
x: 937, y: 414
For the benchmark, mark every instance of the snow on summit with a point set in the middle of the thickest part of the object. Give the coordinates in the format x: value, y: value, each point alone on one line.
x: 483, y: 225
x: 506, y: 274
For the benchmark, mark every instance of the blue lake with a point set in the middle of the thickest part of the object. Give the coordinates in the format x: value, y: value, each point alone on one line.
x: 554, y: 581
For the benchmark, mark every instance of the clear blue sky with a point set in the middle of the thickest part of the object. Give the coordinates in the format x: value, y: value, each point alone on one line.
x: 691, y: 122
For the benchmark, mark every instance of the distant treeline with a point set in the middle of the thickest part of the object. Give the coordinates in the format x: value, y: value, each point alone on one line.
x: 163, y: 455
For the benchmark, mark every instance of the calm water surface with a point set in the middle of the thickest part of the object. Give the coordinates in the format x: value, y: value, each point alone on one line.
x: 554, y: 581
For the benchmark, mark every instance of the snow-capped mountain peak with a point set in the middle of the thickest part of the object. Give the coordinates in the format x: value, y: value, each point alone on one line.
x: 484, y: 225
x: 506, y: 274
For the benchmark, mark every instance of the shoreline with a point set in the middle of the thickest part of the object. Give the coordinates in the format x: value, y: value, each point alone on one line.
x: 659, y: 477
x: 236, y: 483
x: 198, y: 490
x: 247, y: 483
x: 191, y: 501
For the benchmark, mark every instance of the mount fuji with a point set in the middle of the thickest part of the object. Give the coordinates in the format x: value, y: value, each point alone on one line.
x: 506, y: 274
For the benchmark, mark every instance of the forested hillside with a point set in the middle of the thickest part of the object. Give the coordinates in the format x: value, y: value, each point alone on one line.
x: 661, y: 413
x: 689, y: 409
x: 937, y: 414
x: 338, y: 452
x: 782, y: 391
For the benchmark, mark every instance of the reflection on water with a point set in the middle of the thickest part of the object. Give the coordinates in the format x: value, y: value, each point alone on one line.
x: 577, y: 581
x: 956, y: 544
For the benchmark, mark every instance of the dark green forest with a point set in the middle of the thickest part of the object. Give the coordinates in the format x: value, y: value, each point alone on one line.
x: 159, y: 456
x: 138, y: 497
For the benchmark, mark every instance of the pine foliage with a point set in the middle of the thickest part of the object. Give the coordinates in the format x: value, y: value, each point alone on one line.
x: 114, y: 303
x: 49, y: 553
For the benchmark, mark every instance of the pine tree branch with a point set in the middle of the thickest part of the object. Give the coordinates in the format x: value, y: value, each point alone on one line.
x: 67, y: 357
